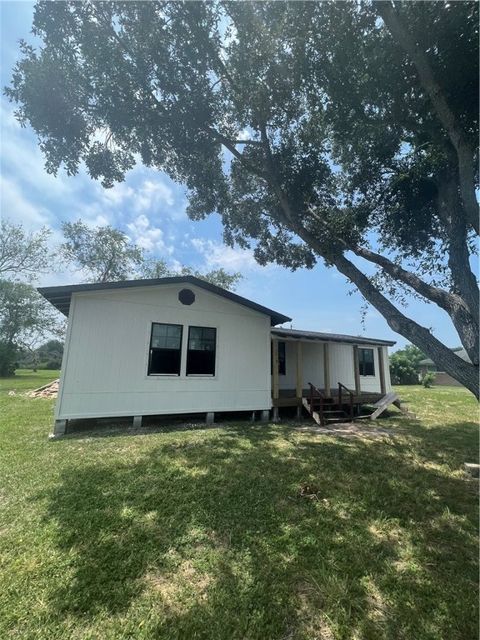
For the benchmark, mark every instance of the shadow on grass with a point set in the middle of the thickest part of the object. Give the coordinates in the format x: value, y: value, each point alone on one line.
x: 213, y: 538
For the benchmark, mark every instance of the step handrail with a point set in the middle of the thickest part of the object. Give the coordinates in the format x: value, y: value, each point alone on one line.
x: 340, y: 387
x: 319, y: 394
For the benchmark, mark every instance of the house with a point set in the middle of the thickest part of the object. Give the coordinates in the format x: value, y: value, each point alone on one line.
x: 182, y: 345
x: 442, y: 378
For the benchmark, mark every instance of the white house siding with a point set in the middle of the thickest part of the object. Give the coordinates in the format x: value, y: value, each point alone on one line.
x: 341, y: 366
x: 372, y: 383
x: 105, y: 366
x: 312, y: 357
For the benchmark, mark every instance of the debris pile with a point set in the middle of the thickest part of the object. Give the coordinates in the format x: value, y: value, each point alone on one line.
x: 49, y: 390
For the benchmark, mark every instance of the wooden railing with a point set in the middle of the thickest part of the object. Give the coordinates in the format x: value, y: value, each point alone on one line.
x: 316, y: 394
x: 340, y: 397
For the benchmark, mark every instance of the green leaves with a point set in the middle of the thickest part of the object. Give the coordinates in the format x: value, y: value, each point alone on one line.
x: 103, y: 253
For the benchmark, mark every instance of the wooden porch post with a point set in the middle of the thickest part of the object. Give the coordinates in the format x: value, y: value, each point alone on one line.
x: 356, y: 370
x: 275, y: 389
x: 299, y: 391
x: 326, y: 369
x: 381, y: 369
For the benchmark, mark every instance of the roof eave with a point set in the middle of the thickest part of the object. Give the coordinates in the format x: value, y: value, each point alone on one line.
x: 60, y: 296
x: 326, y: 337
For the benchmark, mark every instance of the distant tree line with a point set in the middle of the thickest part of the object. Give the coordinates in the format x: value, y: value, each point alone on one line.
x: 46, y: 356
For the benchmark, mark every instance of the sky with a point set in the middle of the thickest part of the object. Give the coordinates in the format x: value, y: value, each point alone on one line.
x: 150, y: 209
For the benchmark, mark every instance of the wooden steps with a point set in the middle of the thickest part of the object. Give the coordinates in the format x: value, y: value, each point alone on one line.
x: 343, y: 406
x: 331, y: 415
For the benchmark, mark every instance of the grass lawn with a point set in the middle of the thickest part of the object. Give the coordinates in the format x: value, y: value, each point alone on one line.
x: 203, y: 534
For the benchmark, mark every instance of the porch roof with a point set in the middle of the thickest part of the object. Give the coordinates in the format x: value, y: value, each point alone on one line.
x: 298, y: 334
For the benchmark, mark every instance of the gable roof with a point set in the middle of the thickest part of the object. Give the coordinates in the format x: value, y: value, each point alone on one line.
x: 328, y: 337
x: 61, y: 296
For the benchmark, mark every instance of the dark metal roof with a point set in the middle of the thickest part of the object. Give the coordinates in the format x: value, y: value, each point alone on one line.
x: 60, y: 296
x: 328, y: 337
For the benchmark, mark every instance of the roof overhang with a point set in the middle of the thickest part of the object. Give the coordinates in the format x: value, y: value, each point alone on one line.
x: 315, y: 336
x: 60, y: 297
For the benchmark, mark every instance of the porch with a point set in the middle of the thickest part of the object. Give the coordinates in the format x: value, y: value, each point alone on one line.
x: 326, y: 374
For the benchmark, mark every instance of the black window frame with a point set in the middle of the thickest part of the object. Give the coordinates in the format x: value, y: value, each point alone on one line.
x: 157, y: 349
x: 365, y: 365
x: 188, y: 364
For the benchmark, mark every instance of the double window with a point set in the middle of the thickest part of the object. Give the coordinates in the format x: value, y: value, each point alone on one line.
x: 166, y: 350
x: 366, y: 362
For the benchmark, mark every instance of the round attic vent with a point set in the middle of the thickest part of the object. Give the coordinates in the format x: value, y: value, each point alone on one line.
x: 186, y: 296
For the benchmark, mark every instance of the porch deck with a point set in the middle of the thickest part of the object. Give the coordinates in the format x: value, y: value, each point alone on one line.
x: 288, y: 397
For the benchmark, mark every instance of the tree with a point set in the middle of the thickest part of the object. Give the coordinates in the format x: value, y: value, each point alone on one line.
x: 25, y: 318
x: 152, y: 268
x: 404, y: 365
x: 102, y: 253
x: 21, y: 252
x: 105, y: 254
x: 341, y: 131
x: 24, y: 315
x: 49, y: 354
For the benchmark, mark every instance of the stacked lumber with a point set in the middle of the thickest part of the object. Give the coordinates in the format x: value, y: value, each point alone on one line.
x: 49, y: 390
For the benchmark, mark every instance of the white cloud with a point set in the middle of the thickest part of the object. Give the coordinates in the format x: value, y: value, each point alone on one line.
x: 18, y: 208
x: 117, y: 194
x: 175, y: 265
x: 152, y: 194
x: 147, y: 237
x: 244, y: 134
x: 217, y: 255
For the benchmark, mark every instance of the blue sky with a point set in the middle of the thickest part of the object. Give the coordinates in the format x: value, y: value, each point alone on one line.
x: 150, y: 208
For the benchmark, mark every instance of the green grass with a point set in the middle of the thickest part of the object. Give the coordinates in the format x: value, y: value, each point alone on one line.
x: 202, y: 533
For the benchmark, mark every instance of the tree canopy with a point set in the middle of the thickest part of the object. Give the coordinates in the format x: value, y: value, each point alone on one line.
x: 102, y: 253
x: 404, y: 365
x: 25, y: 316
x: 22, y: 252
x: 341, y: 131
x: 106, y: 254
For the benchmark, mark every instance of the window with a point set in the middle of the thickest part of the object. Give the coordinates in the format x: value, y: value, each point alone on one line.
x: 282, y: 359
x: 201, y: 351
x: 165, y: 349
x: 365, y: 362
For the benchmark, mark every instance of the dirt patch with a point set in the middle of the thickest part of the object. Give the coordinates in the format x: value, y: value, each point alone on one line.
x: 347, y: 430
x: 172, y: 585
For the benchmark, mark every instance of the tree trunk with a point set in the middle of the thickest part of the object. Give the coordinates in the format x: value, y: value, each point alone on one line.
x: 466, y: 373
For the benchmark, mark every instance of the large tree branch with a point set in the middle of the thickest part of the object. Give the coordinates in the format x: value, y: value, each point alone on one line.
x: 450, y: 122
x: 462, y: 312
x: 442, y: 298
x: 464, y: 321
x: 463, y: 371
